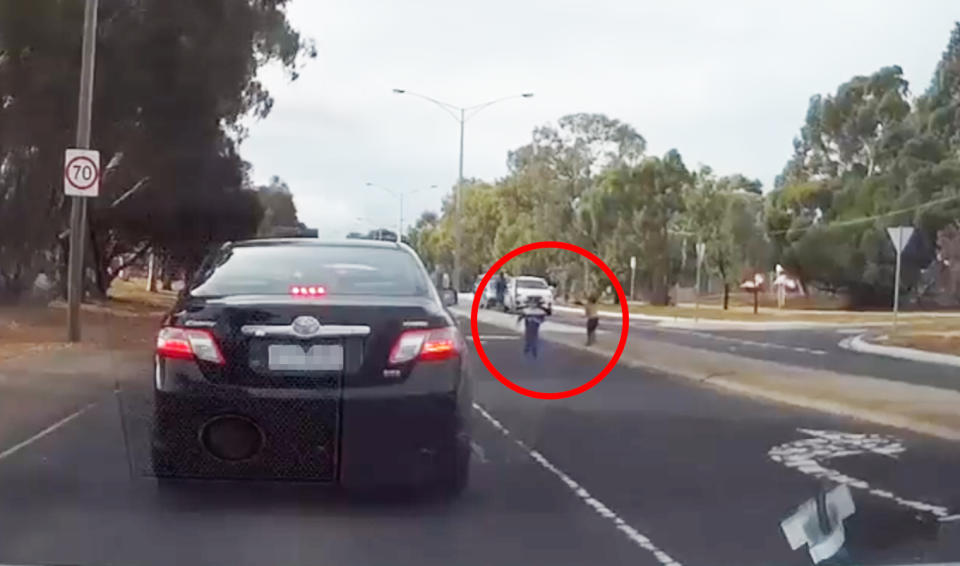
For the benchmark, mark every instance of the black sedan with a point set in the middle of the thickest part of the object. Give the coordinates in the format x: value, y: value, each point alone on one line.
x: 303, y: 360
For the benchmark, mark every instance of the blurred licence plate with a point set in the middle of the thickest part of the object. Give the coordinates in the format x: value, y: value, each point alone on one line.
x: 319, y: 357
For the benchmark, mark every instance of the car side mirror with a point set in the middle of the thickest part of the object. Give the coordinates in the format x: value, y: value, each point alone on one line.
x: 449, y: 297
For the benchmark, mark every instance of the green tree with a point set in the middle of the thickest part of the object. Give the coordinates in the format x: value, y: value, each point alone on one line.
x: 649, y: 198
x: 279, y: 210
x: 726, y: 214
x: 548, y: 180
x: 865, y: 160
x: 174, y: 83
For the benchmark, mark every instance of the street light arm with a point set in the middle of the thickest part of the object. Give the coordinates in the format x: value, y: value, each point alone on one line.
x: 472, y: 111
x: 395, y: 194
x: 415, y: 191
x: 453, y: 111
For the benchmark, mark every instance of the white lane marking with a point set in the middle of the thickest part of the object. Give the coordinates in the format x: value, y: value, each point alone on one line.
x: 16, y: 447
x: 851, y: 330
x: 633, y: 534
x: 805, y: 456
x: 479, y: 451
x: 499, y: 337
x: 812, y: 351
x: 753, y: 343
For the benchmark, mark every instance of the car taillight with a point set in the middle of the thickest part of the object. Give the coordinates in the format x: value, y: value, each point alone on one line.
x: 436, y: 344
x: 188, y: 344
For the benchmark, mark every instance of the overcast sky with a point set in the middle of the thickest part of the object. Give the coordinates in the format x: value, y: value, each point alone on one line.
x: 724, y: 82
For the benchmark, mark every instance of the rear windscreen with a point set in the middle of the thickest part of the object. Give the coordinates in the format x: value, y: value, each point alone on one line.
x: 272, y: 270
x: 531, y: 284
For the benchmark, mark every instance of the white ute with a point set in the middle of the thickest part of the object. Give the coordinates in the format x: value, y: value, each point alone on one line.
x: 521, y: 288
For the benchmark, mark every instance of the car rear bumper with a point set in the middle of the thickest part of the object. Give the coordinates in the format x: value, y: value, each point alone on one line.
x: 403, y: 434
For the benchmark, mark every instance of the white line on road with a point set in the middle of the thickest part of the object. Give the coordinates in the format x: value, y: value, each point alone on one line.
x: 499, y: 336
x: 753, y: 343
x: 633, y: 534
x: 16, y: 447
x: 805, y: 455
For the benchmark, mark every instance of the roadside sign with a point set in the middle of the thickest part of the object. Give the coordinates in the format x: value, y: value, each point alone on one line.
x: 900, y: 235
x: 701, y: 250
x: 633, y: 262
x: 81, y: 173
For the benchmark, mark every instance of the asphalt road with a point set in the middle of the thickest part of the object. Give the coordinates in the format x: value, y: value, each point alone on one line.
x: 812, y: 348
x: 642, y: 469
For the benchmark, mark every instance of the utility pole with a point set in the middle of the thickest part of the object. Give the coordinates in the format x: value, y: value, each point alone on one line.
x: 78, y: 206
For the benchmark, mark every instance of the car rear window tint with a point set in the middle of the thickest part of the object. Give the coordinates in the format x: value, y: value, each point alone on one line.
x: 531, y: 284
x: 341, y: 270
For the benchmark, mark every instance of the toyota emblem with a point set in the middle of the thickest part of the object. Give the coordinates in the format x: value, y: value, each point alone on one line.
x: 305, y: 326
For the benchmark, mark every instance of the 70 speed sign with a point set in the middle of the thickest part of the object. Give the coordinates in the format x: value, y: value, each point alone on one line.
x: 81, y: 173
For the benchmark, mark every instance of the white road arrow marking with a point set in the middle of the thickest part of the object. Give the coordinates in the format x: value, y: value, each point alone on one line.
x: 806, y: 456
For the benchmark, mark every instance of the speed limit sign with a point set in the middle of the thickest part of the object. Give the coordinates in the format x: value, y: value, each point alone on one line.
x: 81, y: 173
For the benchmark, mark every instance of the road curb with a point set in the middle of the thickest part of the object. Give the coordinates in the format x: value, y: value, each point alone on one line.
x: 879, y: 401
x: 717, y: 324
x: 860, y: 344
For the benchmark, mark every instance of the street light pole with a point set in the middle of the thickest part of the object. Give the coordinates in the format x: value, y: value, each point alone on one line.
x: 461, y: 114
x: 78, y: 205
x: 459, y: 208
x: 399, y: 195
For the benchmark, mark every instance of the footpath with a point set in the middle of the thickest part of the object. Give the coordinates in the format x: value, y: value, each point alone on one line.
x: 923, y: 409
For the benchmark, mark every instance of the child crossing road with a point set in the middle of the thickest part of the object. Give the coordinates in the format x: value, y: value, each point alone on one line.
x: 593, y: 319
x: 532, y: 315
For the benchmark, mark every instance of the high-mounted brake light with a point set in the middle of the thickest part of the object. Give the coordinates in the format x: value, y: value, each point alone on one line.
x: 436, y: 344
x: 188, y: 344
x: 308, y: 290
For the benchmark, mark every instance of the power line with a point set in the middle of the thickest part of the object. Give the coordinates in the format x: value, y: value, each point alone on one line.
x: 864, y: 219
x: 850, y: 222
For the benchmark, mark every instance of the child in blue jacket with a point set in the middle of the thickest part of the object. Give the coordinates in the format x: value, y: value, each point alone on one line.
x: 533, y: 314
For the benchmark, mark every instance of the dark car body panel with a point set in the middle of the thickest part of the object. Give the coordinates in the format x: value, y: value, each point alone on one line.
x: 370, y: 424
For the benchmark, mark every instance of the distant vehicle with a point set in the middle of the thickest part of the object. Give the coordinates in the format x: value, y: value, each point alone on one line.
x: 489, y: 297
x: 305, y: 360
x: 293, y: 232
x: 520, y: 288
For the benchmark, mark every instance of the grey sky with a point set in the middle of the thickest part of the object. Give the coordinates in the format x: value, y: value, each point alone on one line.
x: 726, y: 83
